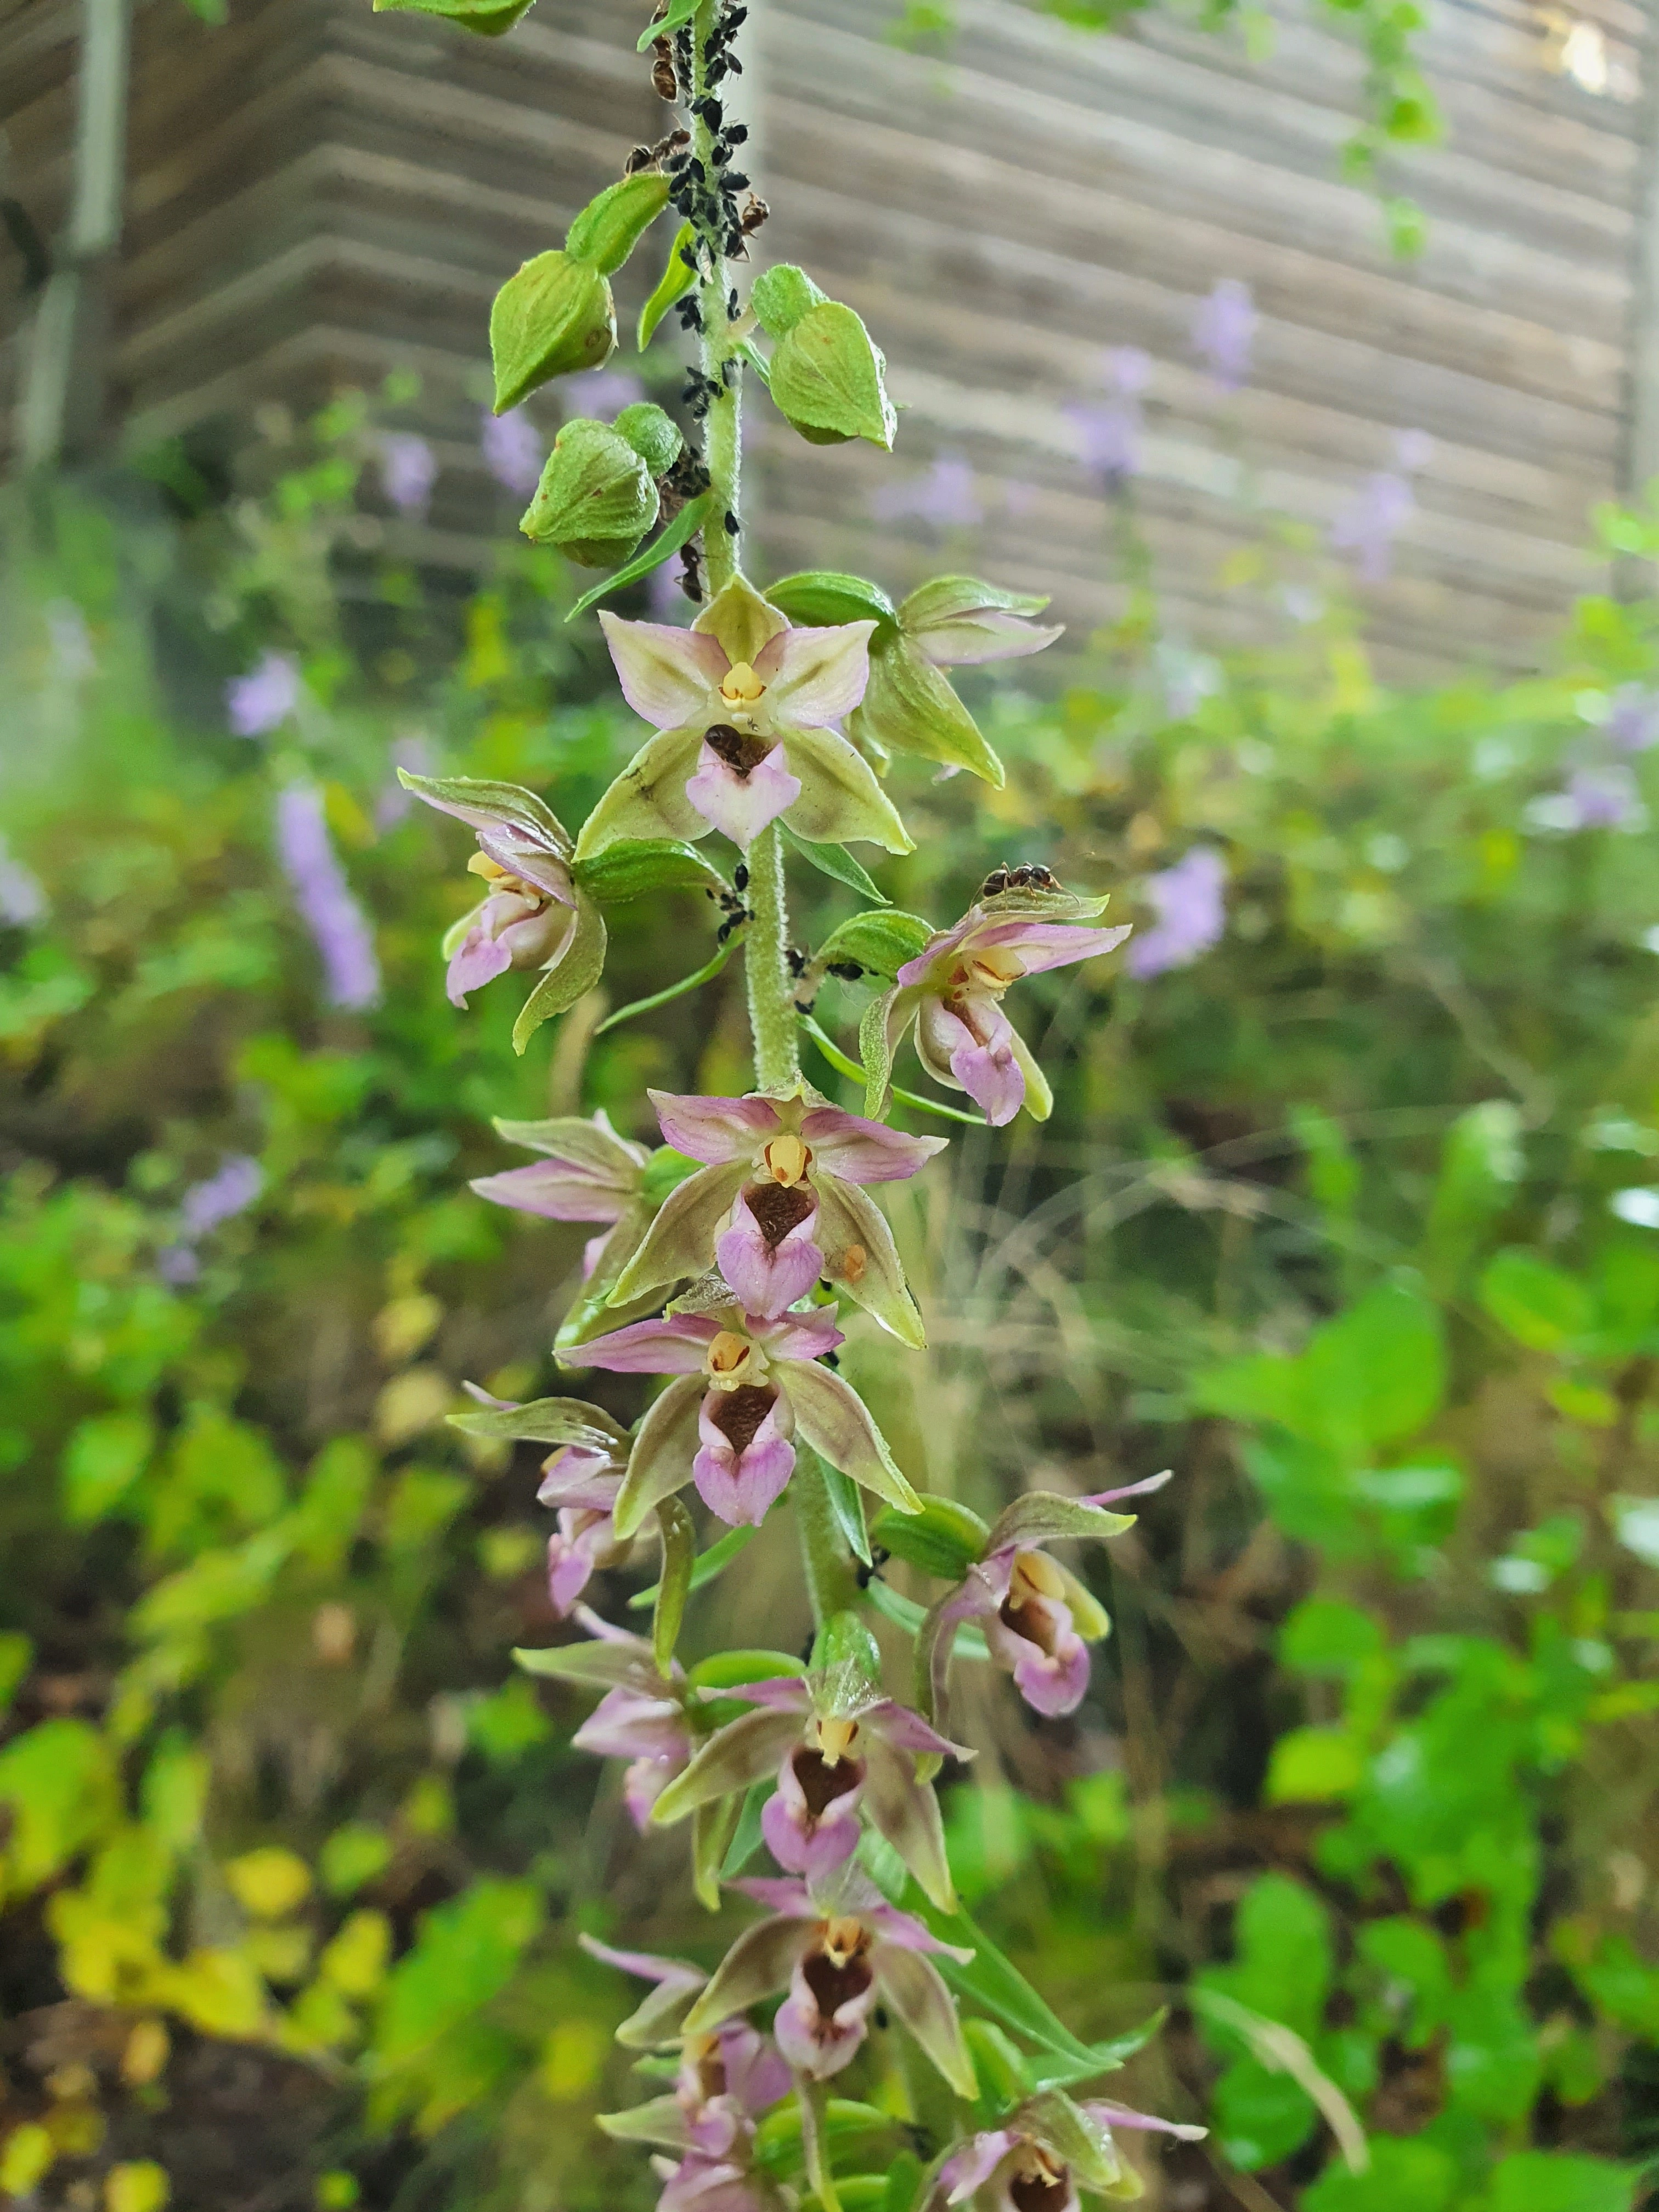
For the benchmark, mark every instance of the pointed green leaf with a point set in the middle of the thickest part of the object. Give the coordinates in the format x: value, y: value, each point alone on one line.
x: 667, y: 541
x: 677, y: 278
x: 706, y: 974
x: 704, y: 1568
x: 837, y: 862
x: 665, y: 25
x: 679, y: 1545
x: 544, y: 1421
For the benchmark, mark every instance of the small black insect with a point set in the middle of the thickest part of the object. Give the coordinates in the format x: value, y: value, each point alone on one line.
x: 849, y: 971
x: 691, y: 572
x: 664, y: 81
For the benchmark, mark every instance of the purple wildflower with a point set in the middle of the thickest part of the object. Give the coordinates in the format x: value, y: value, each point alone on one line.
x: 1368, y: 526
x: 600, y: 394
x: 230, y: 1190
x: 395, y: 804
x: 1224, y: 332
x: 1632, y: 722
x: 264, y: 699
x: 1598, y: 796
x: 513, y: 449
x: 944, y: 497
x: 338, y: 927
x: 177, y: 1265
x: 1189, y: 900
x: 408, y: 469
x: 1109, y: 436
x: 21, y: 899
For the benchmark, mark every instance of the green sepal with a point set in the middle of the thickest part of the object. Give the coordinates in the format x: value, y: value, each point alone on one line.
x: 578, y: 969
x: 780, y: 296
x: 1052, y: 2118
x: 491, y: 19
x: 612, y: 225
x: 909, y: 706
x: 876, y: 1052
x: 1005, y: 2073
x: 829, y: 380
x: 678, y: 12
x: 668, y: 540
x: 554, y: 317
x: 835, y: 862
x: 491, y: 802
x: 880, y: 943
x: 824, y: 597
x: 944, y: 1539
x: 635, y: 867
x: 545, y: 1421
x: 679, y: 277
x: 653, y: 436
x: 1045, y: 1517
x: 679, y: 1547
x: 749, y: 1836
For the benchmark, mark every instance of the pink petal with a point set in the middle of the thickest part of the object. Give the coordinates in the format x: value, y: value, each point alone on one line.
x: 581, y: 1475
x: 767, y: 1280
x: 910, y: 1732
x: 817, y: 2047
x: 643, y: 1782
x: 1106, y: 2115
x: 554, y: 1190
x: 671, y: 1347
x: 1041, y: 944
x: 987, y: 635
x: 799, y: 1336
x: 1131, y: 1490
x: 645, y: 1964
x: 973, y: 1040
x: 742, y: 1490
x: 570, y: 1565
x: 669, y: 677
x: 756, y: 2073
x: 967, y: 2170
x: 536, y: 860
x: 814, y: 677
x: 917, y: 970
x: 787, y: 1897
x: 478, y: 959
x: 862, y: 1151
x: 740, y: 807
x: 1049, y: 1685
x: 803, y: 1846
x: 714, y: 1130
x: 626, y: 1724
x: 904, y: 1931
x: 782, y: 1692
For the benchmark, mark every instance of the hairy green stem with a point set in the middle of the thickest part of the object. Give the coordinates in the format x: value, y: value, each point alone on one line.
x: 721, y: 430
x: 765, y: 953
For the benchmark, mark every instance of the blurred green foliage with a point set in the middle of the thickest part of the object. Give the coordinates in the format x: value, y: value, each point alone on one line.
x: 1353, y: 1219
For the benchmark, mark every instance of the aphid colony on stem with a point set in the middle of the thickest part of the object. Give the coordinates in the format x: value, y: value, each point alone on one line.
x: 728, y: 1258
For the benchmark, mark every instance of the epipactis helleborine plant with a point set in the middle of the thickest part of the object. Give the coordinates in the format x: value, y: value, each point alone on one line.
x: 731, y: 1259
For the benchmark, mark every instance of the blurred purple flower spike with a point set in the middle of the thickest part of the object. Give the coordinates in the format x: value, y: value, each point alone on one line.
x: 513, y: 449
x: 1110, y: 437
x: 228, y: 1191
x: 944, y: 497
x: 409, y: 470
x: 338, y: 927
x: 264, y: 699
x: 600, y: 394
x: 1189, y: 901
x: 1633, y: 723
x: 1366, y: 528
x: 1224, y: 332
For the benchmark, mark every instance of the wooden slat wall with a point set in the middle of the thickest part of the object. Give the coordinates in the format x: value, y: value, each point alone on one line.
x: 316, y: 193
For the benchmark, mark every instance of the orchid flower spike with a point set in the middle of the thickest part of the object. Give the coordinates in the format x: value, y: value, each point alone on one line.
x: 785, y: 1176
x: 534, y: 915
x: 1043, y: 2152
x: 1038, y: 1619
x: 837, y: 1747
x: 744, y: 707
x: 951, y: 994
x: 746, y: 1385
x: 839, y: 1949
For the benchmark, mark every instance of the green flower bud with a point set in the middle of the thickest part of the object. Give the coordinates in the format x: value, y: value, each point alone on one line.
x: 555, y: 317
x: 596, y: 499
x: 781, y: 296
x: 609, y: 227
x: 491, y: 17
x: 827, y: 379
x: 652, y: 436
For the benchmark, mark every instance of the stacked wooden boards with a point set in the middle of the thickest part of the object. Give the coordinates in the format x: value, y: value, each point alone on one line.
x: 318, y: 195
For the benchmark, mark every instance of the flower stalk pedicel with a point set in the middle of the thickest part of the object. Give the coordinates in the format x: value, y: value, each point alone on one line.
x: 728, y: 1260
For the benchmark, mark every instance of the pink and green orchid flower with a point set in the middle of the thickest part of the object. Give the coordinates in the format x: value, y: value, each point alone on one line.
x: 746, y: 1386
x: 837, y: 1747
x: 534, y: 914
x: 951, y: 994
x: 744, y: 708
x: 1043, y: 2152
x: 642, y: 1717
x: 839, y: 1949
x: 1038, y: 1619
x: 786, y: 1174
x: 728, y: 2076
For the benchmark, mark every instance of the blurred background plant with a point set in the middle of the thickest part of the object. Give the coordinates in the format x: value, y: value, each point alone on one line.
x: 1349, y: 1211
